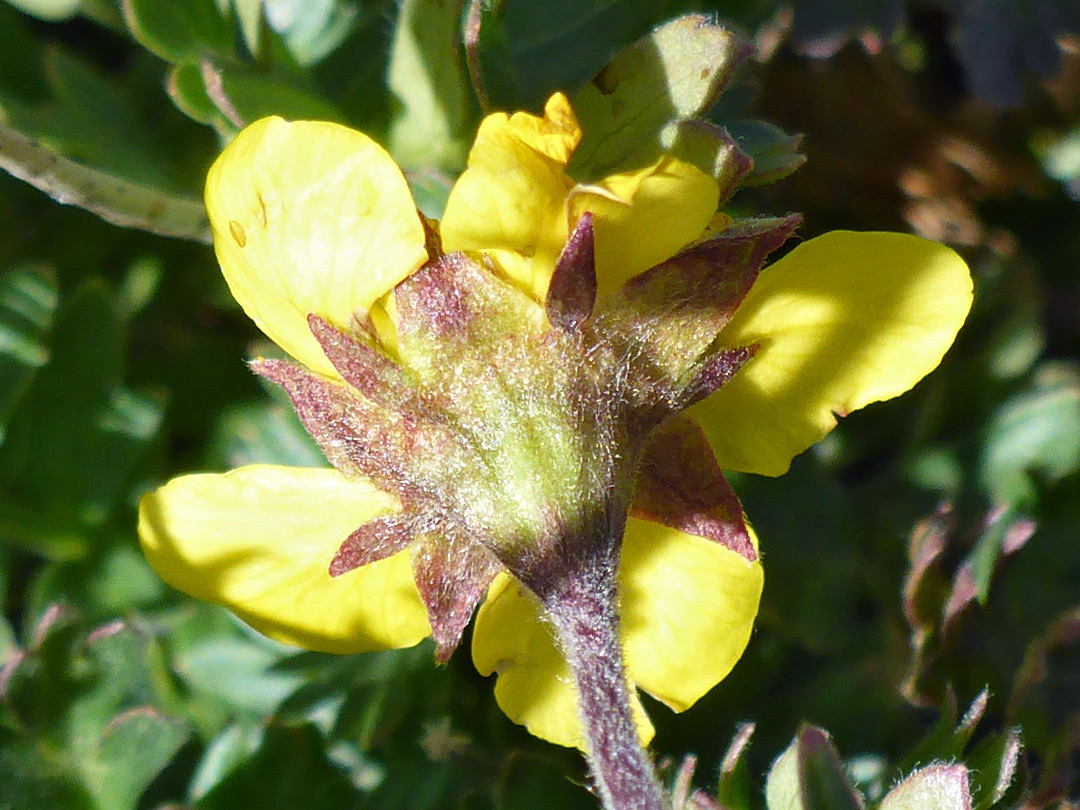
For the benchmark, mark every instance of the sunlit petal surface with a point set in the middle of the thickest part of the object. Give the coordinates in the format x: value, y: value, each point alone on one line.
x: 259, y: 541
x: 511, y: 200
x: 310, y: 217
x: 688, y: 606
x: 843, y: 320
x: 643, y: 217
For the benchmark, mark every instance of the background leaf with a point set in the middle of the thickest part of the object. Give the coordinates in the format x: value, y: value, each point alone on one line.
x: 27, y: 304
x: 426, y: 77
x: 179, y: 31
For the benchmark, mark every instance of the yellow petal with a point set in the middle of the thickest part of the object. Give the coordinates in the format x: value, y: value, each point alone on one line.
x: 642, y: 217
x: 556, y: 135
x: 688, y: 606
x: 843, y: 320
x: 310, y: 217
x: 511, y: 200
x: 534, y: 686
x: 259, y: 541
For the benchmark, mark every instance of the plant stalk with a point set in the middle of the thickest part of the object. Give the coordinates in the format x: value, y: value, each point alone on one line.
x: 583, y: 608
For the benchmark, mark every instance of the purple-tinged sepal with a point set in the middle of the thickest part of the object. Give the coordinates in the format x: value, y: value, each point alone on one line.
x: 667, y: 319
x: 680, y: 486
x: 571, y: 293
x: 376, y: 540
x: 452, y: 573
x: 712, y: 373
x: 361, y: 364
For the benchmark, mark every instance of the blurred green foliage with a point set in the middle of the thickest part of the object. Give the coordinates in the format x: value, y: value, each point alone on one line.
x: 924, y: 557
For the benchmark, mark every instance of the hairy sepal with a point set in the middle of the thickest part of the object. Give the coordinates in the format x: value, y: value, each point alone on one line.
x: 680, y: 486
x: 668, y: 318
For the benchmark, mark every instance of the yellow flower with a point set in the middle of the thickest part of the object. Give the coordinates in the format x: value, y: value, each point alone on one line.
x: 313, y: 218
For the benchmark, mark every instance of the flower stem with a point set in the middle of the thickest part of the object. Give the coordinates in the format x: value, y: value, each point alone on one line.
x: 582, y: 606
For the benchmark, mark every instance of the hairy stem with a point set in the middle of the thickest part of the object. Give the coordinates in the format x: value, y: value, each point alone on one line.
x: 582, y: 606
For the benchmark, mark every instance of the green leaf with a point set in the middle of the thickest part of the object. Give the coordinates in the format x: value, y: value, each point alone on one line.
x: 225, y: 753
x: 140, y: 284
x: 992, y: 767
x: 118, y: 659
x: 948, y: 738
x: 262, y: 433
x: 529, y: 784
x: 1045, y: 687
x: 187, y: 89
x: 809, y: 775
x: 674, y: 74
x: 425, y: 76
x: 77, y: 434
x: 817, y: 610
x: 237, y: 669
x: 22, y: 74
x: 825, y: 784
x: 179, y: 31
x: 969, y: 722
x: 358, y: 63
x: 32, y: 779
x: 7, y: 641
x: 711, y: 149
x: 543, y: 47
x: 491, y: 70
x: 55, y: 539
x: 379, y: 690
x: 313, y: 29
x: 302, y: 776
x: 1059, y: 153
x: 939, y: 741
x: 782, y: 785
x: 89, y: 702
x: 1033, y: 435
x: 538, y: 783
x: 134, y: 749
x: 104, y: 579
x: 38, y: 683
x: 97, y: 119
x: 1018, y: 340
x: 27, y: 304
x: 936, y: 469
x: 249, y: 13
x: 242, y: 94
x: 50, y: 10
x: 775, y: 153
x: 85, y: 141
x: 734, y: 788
x: 430, y: 190
x: 86, y: 315
x: 935, y: 787
x: 1004, y: 532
